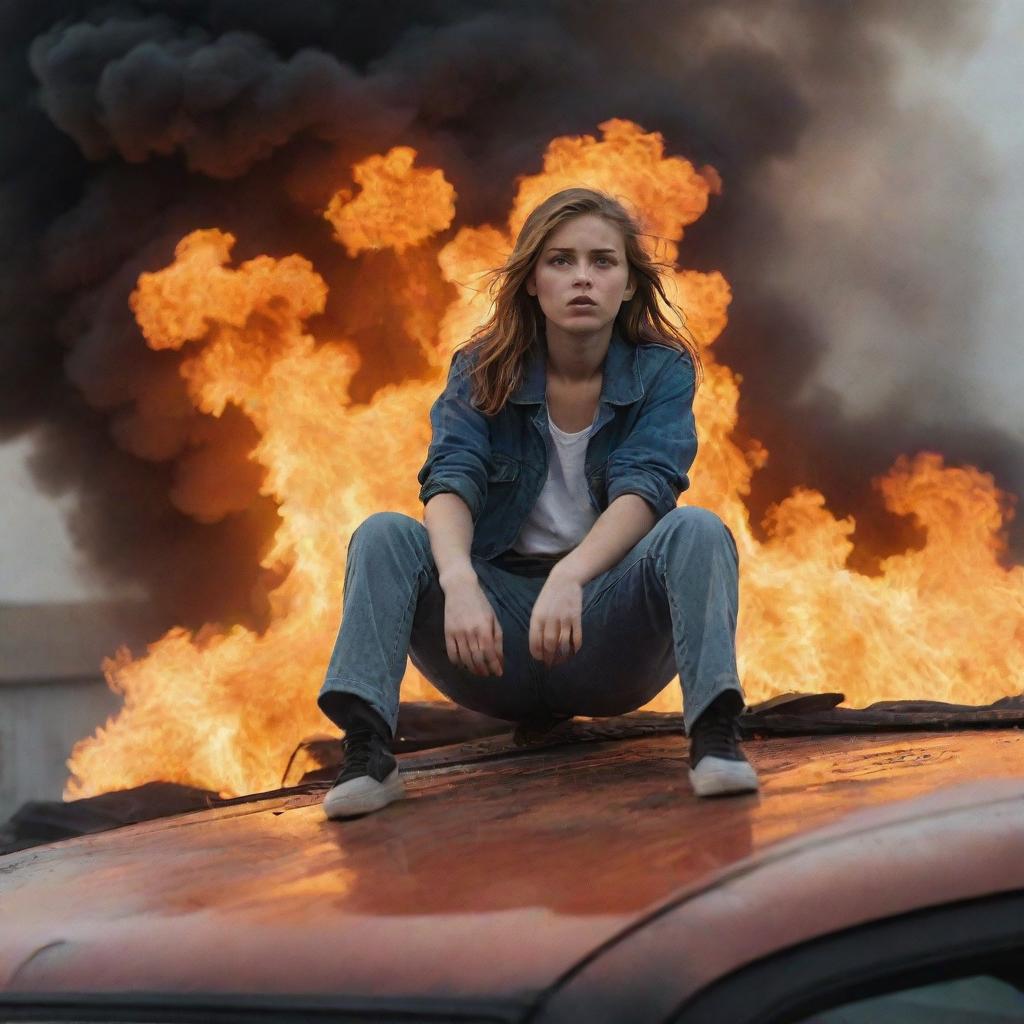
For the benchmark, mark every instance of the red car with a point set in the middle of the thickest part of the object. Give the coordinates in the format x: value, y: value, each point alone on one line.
x: 577, y: 880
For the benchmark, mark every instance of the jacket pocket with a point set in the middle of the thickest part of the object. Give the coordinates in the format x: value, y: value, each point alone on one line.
x: 503, y: 469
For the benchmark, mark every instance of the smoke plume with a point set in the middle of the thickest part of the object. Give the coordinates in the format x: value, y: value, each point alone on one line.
x: 130, y: 124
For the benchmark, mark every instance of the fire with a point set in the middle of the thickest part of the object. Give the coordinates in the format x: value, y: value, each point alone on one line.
x: 399, y: 206
x: 224, y: 709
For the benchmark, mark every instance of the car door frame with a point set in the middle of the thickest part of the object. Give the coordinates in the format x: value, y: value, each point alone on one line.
x: 978, y: 936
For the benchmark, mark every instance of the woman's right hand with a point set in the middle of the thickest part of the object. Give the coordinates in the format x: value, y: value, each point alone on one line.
x: 472, y: 632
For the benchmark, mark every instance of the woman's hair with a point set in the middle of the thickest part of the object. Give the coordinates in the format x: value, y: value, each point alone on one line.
x: 517, y: 321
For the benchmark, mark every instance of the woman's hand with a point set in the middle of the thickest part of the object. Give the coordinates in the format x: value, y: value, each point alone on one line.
x: 472, y: 632
x: 556, y: 627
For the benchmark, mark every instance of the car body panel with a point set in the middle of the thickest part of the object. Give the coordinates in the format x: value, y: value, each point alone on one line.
x: 496, y: 878
x: 952, y: 845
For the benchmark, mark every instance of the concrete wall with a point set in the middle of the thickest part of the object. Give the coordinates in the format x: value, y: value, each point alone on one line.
x: 52, y: 690
x: 39, y: 724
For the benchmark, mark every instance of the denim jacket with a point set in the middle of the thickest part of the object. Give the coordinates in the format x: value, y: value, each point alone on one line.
x: 643, y: 442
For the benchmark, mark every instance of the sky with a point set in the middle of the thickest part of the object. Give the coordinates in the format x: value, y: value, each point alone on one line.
x: 38, y: 556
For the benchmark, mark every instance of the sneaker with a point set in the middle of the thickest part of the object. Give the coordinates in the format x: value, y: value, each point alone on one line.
x: 369, y: 778
x: 718, y: 767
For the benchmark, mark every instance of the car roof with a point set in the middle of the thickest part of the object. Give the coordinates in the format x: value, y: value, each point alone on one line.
x: 503, y: 872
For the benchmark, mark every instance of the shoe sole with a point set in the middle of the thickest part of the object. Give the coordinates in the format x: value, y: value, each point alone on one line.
x: 717, y: 776
x: 363, y: 795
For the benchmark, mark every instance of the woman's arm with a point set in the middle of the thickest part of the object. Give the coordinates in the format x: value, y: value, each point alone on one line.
x: 460, y: 443
x: 654, y: 459
x: 472, y: 633
x: 624, y: 522
x: 556, y: 623
x: 450, y: 526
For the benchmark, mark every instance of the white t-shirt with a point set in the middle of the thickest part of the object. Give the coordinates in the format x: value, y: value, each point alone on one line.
x: 562, y: 515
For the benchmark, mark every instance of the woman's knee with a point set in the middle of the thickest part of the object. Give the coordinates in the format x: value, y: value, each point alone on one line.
x: 691, y: 520
x: 393, y: 529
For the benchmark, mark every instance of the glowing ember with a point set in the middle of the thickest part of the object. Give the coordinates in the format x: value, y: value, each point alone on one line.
x: 224, y: 710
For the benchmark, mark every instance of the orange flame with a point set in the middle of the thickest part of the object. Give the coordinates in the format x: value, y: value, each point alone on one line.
x: 224, y: 710
x: 399, y: 206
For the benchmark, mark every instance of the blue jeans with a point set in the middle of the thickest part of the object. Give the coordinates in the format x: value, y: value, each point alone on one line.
x: 668, y: 607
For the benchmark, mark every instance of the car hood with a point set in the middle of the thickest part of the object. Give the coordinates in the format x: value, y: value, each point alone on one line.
x: 502, y: 871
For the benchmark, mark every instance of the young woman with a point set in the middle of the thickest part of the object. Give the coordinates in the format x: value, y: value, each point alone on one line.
x: 553, y: 574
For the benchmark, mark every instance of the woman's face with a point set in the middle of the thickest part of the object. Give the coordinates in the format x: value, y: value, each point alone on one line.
x: 584, y: 256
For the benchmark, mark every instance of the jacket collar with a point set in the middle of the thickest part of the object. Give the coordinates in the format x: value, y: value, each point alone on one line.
x: 621, y: 384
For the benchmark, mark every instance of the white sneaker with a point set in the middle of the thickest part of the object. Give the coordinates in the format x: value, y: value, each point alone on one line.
x: 718, y: 767
x: 363, y: 794
x: 369, y: 778
x: 718, y: 776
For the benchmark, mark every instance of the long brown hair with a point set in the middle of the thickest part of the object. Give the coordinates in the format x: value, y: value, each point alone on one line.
x: 517, y: 321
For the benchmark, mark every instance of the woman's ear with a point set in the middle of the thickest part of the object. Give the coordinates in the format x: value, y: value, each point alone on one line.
x: 531, y: 285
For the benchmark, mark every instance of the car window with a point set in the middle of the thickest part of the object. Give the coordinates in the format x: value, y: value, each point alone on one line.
x: 977, y: 1000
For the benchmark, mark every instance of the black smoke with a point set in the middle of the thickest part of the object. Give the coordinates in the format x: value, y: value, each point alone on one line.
x: 126, y: 125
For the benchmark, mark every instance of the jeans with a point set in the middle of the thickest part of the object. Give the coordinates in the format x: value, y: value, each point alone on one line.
x: 667, y: 608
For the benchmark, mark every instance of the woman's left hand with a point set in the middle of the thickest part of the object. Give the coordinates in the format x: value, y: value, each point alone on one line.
x: 556, y: 629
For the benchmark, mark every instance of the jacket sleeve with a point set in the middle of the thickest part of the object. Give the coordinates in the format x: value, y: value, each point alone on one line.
x: 460, y: 444
x: 655, y: 457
